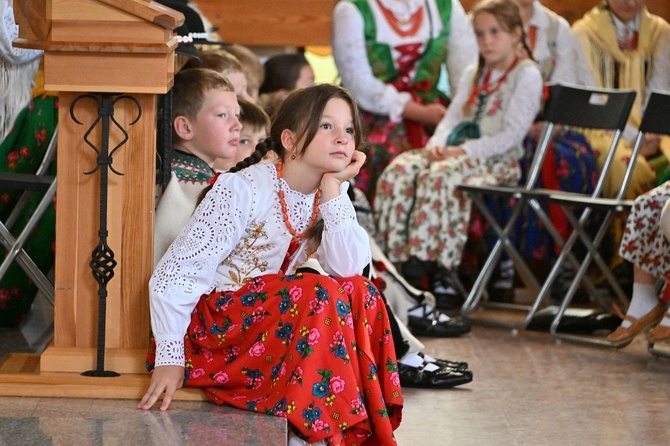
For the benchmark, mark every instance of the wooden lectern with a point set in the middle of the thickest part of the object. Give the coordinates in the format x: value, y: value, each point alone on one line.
x: 109, y: 59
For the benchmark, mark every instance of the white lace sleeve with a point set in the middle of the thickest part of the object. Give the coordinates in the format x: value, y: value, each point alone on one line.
x: 351, y: 59
x: 454, y: 113
x: 521, y: 112
x: 462, y: 50
x: 345, y: 246
x: 188, y: 269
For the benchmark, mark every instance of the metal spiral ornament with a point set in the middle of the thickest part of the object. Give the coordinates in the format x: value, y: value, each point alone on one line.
x: 102, y: 258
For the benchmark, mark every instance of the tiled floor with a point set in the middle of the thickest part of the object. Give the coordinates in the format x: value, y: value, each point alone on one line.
x: 528, y: 390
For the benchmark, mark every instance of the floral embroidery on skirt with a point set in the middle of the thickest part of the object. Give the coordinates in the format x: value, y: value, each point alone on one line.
x: 420, y: 210
x: 314, y: 349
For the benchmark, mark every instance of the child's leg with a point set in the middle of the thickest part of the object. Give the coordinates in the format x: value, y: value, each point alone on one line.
x: 393, y: 202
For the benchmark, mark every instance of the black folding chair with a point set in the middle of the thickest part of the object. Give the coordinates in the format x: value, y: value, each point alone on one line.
x: 567, y: 105
x: 29, y: 184
x: 656, y: 119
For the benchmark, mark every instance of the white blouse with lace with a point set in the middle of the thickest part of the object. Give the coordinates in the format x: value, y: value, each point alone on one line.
x: 350, y: 54
x: 523, y: 108
x: 238, y: 233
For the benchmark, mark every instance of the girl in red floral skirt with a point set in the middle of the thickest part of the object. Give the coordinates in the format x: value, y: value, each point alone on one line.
x: 231, y: 315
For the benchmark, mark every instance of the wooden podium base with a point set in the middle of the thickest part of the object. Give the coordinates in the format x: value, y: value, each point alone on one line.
x: 20, y: 375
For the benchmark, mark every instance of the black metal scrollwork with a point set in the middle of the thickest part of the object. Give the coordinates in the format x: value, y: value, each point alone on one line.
x: 102, y: 258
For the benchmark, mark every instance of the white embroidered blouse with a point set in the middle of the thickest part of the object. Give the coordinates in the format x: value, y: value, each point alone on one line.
x: 351, y: 56
x: 238, y: 233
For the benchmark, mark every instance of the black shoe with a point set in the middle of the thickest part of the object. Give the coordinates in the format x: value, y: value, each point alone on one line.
x: 442, y: 378
x: 501, y: 284
x: 416, y: 273
x: 455, y: 365
x: 447, y: 297
x: 431, y: 326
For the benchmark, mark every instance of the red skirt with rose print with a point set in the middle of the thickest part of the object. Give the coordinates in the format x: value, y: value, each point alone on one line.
x: 314, y: 349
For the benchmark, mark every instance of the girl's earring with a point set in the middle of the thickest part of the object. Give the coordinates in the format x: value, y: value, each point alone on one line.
x: 293, y: 156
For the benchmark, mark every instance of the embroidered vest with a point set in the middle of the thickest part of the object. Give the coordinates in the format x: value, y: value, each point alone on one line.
x: 429, y: 68
x: 492, y: 110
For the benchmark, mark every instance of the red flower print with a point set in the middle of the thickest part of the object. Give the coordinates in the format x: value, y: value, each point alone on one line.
x: 221, y: 378
x: 196, y: 373
x: 336, y: 385
x: 257, y: 349
x: 295, y: 293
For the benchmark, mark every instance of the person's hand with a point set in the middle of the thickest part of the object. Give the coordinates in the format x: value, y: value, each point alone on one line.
x: 426, y: 114
x: 331, y: 181
x: 650, y: 145
x: 165, y: 380
x: 439, y: 153
x: 433, y: 114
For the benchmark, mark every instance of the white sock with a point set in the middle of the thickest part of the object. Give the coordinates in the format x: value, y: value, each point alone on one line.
x: 414, y: 360
x: 643, y: 301
x: 505, y: 277
x: 425, y: 309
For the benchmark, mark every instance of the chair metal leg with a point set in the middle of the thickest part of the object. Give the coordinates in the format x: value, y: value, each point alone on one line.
x: 592, y: 254
x: 654, y: 350
x: 15, y: 249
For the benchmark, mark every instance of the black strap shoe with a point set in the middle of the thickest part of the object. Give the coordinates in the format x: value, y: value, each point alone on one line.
x: 442, y: 378
x: 431, y: 325
x: 456, y: 365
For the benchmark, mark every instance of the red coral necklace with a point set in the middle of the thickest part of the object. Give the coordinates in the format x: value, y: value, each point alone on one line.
x: 284, y: 208
x: 414, y: 21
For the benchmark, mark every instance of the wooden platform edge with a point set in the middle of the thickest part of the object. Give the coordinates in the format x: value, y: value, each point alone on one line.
x: 20, y: 376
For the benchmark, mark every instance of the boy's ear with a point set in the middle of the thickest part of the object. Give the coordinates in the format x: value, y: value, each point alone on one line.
x: 182, y: 127
x: 288, y: 140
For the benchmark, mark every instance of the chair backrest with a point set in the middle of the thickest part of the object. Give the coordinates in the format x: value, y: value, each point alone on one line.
x: 656, y: 118
x: 592, y: 108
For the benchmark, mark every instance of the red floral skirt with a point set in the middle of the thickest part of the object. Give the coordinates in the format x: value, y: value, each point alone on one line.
x: 314, y: 349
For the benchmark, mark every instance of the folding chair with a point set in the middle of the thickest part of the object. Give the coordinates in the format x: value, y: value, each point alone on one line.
x: 29, y: 183
x: 568, y: 105
x: 656, y: 119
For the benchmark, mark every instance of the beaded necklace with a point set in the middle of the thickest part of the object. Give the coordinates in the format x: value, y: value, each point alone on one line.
x: 485, y: 88
x: 414, y: 21
x: 284, y: 208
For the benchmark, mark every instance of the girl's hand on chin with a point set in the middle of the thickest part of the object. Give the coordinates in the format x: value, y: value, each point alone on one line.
x: 331, y: 181
x: 357, y: 160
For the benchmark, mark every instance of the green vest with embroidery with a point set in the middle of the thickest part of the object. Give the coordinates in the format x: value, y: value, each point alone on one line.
x: 430, y: 64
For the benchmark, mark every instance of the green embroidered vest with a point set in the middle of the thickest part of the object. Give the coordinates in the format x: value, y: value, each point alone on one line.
x: 430, y: 64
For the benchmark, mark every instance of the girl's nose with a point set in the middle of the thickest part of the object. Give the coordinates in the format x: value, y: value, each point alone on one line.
x: 341, y: 137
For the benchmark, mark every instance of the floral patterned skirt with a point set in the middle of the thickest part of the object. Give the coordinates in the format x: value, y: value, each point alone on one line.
x: 643, y: 242
x: 420, y: 210
x: 385, y: 140
x: 314, y: 349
